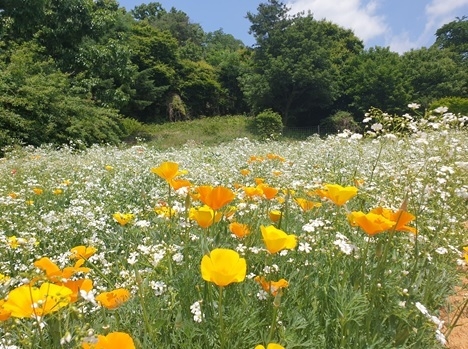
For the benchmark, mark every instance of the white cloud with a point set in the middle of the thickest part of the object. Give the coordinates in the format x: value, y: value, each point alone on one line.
x: 360, y: 16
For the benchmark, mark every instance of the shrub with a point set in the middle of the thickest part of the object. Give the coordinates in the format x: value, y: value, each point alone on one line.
x: 455, y: 105
x: 340, y: 121
x: 269, y: 124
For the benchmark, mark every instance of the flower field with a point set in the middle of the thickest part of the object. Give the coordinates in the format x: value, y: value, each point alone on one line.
x: 343, y: 242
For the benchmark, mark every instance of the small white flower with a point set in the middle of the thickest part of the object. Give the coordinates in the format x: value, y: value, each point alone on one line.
x: 414, y: 105
x: 441, y: 250
x: 377, y: 126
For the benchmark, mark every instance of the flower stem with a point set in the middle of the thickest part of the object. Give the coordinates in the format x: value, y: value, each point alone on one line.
x: 221, y: 321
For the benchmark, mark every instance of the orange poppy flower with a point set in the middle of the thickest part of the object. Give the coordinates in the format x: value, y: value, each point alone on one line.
x: 371, y: 223
x: 176, y: 184
x: 76, y: 286
x: 55, y: 274
x: 4, y: 313
x: 113, y: 340
x: 272, y: 287
x: 223, y: 267
x: 113, y: 299
x: 216, y: 197
x: 400, y: 218
x: 27, y: 301
x: 337, y: 194
x: 245, y: 172
x: 267, y: 191
x: 238, y: 229
x: 276, y: 240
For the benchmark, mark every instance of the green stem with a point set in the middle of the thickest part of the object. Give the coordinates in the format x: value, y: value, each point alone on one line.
x: 141, y: 299
x: 276, y: 303
x: 221, y: 321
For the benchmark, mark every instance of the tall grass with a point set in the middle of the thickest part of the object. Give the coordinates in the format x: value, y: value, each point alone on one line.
x: 346, y: 289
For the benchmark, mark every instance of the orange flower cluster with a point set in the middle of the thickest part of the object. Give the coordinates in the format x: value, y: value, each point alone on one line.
x: 382, y: 219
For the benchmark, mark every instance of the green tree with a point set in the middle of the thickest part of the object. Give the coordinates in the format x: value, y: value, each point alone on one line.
x: 433, y: 74
x: 155, y: 53
x: 296, y: 66
x: 38, y: 105
x: 376, y: 78
x: 199, y: 88
x: 228, y: 56
x: 151, y: 11
x: 453, y: 36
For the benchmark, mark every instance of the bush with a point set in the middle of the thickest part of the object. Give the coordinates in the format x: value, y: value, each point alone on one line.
x: 340, y: 121
x: 455, y: 105
x: 269, y: 124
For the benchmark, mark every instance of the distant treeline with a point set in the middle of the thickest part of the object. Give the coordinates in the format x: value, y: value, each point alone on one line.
x: 71, y: 70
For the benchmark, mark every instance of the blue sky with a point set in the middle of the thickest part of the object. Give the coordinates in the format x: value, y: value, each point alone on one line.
x: 400, y: 24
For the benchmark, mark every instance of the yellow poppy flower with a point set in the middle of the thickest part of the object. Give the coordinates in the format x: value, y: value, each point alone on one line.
x: 270, y: 346
x: 238, y: 229
x: 113, y: 340
x: 165, y: 211
x: 245, y: 172
x: 38, y: 191
x: 271, y: 287
x: 204, y: 216
x: 82, y: 252
x: 108, y: 168
x: 26, y: 301
x: 276, y: 240
x: 223, y: 267
x: 275, y: 215
x: 57, y: 191
x: 13, y: 195
x: 337, y: 194
x: 307, y: 205
x: 252, y: 191
x: 168, y: 170
x: 113, y: 299
x: 215, y: 197
x: 123, y: 218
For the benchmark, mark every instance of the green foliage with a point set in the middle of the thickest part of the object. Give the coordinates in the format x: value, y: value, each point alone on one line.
x: 269, y: 124
x: 296, y: 68
x: 453, y: 36
x: 455, y: 105
x: 433, y: 73
x: 37, y: 105
x: 340, y: 121
x: 376, y: 79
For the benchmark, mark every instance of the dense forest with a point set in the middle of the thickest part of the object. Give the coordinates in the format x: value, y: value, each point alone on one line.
x: 73, y: 70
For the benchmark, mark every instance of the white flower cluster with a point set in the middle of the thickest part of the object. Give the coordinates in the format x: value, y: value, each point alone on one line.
x: 195, y: 309
x: 439, y: 335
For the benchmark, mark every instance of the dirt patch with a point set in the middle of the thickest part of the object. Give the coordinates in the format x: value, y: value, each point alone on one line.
x: 458, y: 337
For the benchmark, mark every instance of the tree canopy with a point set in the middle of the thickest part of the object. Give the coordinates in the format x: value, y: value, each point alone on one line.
x: 69, y: 65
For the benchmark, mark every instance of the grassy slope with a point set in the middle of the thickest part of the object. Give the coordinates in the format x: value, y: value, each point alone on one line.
x: 207, y: 131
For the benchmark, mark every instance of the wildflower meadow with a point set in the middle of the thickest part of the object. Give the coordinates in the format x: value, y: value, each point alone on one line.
x: 348, y: 241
